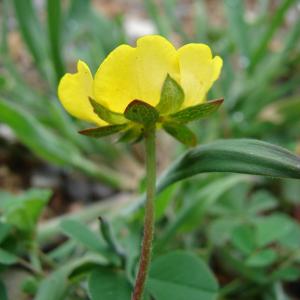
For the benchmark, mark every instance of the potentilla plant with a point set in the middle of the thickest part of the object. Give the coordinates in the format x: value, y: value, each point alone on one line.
x: 137, y: 91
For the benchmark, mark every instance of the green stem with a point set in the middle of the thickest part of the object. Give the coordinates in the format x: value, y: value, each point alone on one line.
x: 149, y: 215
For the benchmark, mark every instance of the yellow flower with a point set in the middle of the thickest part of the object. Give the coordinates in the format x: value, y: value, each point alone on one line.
x: 130, y: 73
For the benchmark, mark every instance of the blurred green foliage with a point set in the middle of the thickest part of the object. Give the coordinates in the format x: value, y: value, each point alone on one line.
x: 243, y: 225
x: 33, y: 112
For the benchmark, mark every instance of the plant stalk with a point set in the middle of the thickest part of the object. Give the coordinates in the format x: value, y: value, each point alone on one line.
x: 149, y: 214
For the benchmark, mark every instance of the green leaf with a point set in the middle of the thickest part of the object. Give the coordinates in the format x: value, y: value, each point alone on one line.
x: 30, y: 285
x: 181, y: 275
x: 99, y: 132
x: 54, y: 20
x: 291, y: 240
x: 109, y: 236
x: 85, y: 265
x: 141, y: 112
x: 57, y: 149
x: 83, y: 234
x: 277, y: 19
x: 7, y: 258
x: 238, y: 28
x: 243, y: 238
x: 181, y: 133
x: 163, y: 200
x: 107, y: 284
x: 33, y: 134
x: 196, y: 112
x: 32, y: 34
x: 262, y: 258
x: 24, y: 210
x: 54, y: 286
x: 261, y: 201
x: 244, y: 156
x: 221, y: 229
x: 192, y: 214
x: 18, y: 217
x: 107, y: 115
x: 34, y: 201
x: 291, y: 191
x: 63, y: 251
x: 288, y: 273
x: 236, y: 156
x: 272, y: 228
x: 171, y: 97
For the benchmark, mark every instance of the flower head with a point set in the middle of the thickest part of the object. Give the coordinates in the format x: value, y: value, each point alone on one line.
x: 152, y: 70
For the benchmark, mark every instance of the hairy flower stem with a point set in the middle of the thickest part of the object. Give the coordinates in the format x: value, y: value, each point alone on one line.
x: 149, y: 215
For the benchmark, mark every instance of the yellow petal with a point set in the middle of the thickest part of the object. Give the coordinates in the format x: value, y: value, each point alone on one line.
x: 156, y: 58
x: 217, y: 66
x: 135, y: 73
x: 198, y: 71
x: 73, y: 92
x: 115, y: 81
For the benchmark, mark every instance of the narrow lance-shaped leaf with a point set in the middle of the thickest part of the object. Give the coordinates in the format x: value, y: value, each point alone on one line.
x: 277, y: 19
x: 57, y: 150
x: 141, y: 112
x: 32, y: 34
x: 171, y: 97
x: 238, y: 28
x: 236, y: 156
x: 243, y: 156
x: 54, y: 34
x: 196, y: 112
x: 110, y: 238
x: 81, y: 233
x: 106, y: 115
x: 181, y: 133
x: 99, y: 132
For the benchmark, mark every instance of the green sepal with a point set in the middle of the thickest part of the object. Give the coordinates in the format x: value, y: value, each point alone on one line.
x: 181, y: 133
x: 171, y: 97
x: 106, y: 115
x: 196, y: 112
x: 141, y: 112
x: 132, y: 135
x: 102, y: 131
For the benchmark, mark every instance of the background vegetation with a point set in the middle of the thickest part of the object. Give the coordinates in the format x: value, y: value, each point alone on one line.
x: 245, y: 227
